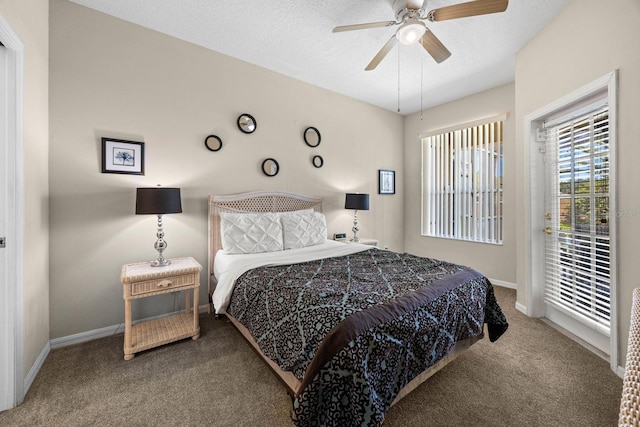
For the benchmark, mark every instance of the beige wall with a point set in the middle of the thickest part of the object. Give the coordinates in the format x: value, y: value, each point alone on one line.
x: 495, y: 261
x: 585, y: 42
x: 30, y: 20
x: 114, y: 79
x: 111, y: 78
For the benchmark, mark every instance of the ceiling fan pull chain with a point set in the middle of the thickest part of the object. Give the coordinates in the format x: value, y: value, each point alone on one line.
x: 398, y: 80
x: 421, y: 91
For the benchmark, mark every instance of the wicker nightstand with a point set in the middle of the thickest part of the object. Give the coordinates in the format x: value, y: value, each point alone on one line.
x: 140, y: 280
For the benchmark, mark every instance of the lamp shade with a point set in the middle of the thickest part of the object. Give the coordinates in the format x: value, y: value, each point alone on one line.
x: 357, y: 201
x: 158, y: 200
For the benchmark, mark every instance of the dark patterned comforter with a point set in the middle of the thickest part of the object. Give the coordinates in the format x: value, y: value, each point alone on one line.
x: 356, y: 329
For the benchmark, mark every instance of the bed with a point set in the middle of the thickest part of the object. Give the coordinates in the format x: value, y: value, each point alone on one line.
x: 349, y: 329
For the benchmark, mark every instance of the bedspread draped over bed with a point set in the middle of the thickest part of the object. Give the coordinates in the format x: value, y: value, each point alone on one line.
x: 355, y: 335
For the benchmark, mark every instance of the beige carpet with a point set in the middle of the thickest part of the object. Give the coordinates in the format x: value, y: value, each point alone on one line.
x: 532, y: 376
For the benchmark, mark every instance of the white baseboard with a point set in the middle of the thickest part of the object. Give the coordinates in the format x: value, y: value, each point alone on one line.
x: 620, y: 371
x: 521, y: 308
x: 80, y: 338
x: 504, y: 284
x: 36, y: 367
x: 86, y: 336
x: 106, y: 331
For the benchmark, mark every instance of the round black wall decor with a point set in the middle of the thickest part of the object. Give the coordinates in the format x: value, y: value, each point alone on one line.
x: 213, y: 143
x: 247, y: 123
x: 317, y: 161
x: 312, y: 136
x: 270, y: 167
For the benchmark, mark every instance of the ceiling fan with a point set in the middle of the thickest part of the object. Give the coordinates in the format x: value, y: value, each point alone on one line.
x: 410, y: 15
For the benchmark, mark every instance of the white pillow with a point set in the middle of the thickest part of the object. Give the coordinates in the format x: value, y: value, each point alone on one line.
x: 303, y: 229
x: 250, y: 233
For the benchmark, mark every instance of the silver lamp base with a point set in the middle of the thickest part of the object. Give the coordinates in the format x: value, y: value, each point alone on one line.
x: 160, y: 262
x: 355, y: 228
x: 160, y: 246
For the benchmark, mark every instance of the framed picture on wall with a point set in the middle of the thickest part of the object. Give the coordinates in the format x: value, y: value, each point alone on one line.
x: 121, y: 156
x: 386, y: 181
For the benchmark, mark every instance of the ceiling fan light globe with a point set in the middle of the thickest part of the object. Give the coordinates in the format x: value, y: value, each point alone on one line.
x: 411, y: 32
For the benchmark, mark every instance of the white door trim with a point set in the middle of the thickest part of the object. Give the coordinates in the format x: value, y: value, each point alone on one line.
x: 534, y: 205
x: 12, y: 342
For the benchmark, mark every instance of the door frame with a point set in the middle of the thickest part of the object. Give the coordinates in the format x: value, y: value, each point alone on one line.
x: 534, y: 201
x: 12, y: 338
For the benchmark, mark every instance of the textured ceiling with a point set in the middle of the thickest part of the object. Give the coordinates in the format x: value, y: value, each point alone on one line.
x: 295, y: 38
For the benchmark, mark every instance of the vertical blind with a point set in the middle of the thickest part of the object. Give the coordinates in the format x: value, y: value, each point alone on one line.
x: 577, y: 204
x: 462, y: 183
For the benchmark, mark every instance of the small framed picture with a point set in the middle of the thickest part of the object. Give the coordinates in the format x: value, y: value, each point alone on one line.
x: 120, y: 156
x: 386, y: 181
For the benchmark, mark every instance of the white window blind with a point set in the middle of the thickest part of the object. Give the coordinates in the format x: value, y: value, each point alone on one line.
x: 577, y: 201
x: 462, y: 183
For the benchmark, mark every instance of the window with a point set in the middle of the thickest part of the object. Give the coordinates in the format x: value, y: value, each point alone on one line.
x: 462, y: 182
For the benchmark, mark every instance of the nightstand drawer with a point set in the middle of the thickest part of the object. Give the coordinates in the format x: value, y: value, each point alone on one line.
x: 155, y: 285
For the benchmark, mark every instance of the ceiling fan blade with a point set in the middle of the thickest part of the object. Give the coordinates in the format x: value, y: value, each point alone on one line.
x: 364, y: 26
x: 415, y: 4
x: 382, y: 53
x: 434, y: 47
x: 472, y: 8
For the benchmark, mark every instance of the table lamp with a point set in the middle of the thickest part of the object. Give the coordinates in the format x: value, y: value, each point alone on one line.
x: 158, y: 201
x: 357, y: 202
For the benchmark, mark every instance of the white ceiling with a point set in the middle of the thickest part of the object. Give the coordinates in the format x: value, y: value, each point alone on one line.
x: 295, y: 38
